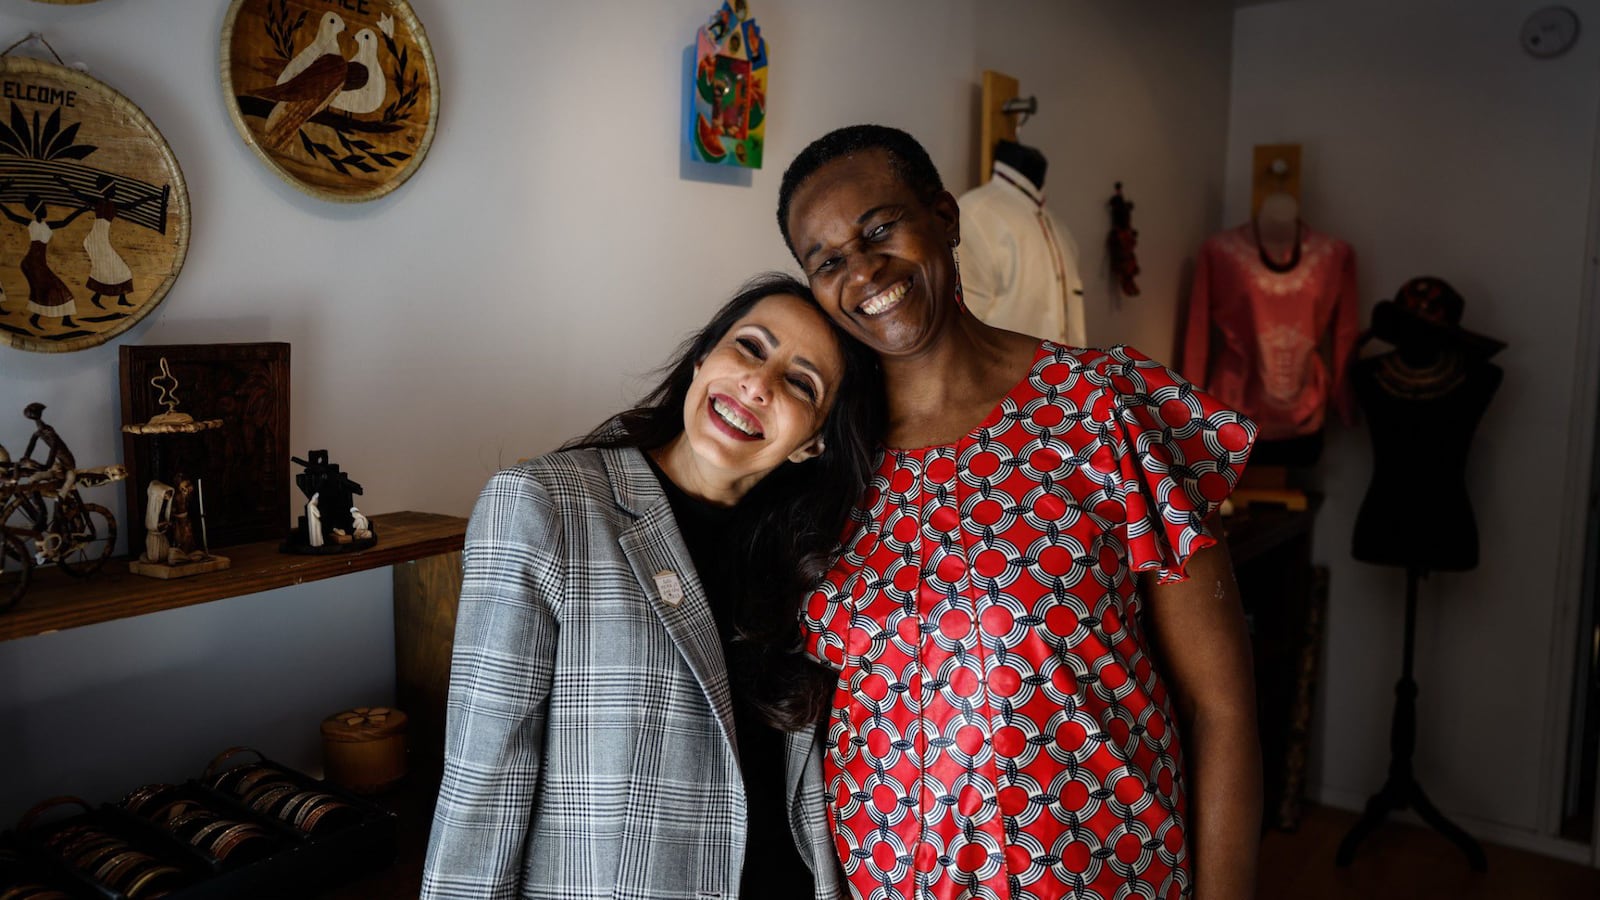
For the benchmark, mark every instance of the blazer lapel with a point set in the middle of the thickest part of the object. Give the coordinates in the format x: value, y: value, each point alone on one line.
x: 655, y: 549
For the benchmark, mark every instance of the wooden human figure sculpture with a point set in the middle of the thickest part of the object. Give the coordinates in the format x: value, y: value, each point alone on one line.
x: 171, y: 548
x: 313, y: 522
x: 182, y: 533
x: 157, y: 519
x: 59, y: 464
x: 1422, y: 401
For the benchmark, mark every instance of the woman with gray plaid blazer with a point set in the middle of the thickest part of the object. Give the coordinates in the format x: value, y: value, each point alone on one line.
x: 629, y: 714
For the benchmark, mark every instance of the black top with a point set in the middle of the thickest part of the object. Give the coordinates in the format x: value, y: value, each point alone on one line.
x: 1417, y: 512
x: 772, y: 866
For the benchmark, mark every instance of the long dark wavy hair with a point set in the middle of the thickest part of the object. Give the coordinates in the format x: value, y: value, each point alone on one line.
x: 788, y: 525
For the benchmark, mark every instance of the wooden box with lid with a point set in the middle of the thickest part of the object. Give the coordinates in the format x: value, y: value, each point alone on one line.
x: 364, y: 749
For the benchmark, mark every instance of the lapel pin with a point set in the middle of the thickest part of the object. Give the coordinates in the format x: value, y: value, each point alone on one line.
x: 670, y: 587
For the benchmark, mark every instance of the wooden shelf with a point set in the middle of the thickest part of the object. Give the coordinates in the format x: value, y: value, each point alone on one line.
x: 1262, y: 528
x: 57, y: 601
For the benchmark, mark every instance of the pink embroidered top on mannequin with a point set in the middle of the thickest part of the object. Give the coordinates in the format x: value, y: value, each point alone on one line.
x: 1265, y: 295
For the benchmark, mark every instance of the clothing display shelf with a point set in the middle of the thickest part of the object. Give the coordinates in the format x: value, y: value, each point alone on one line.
x: 1284, y: 597
x: 55, y: 601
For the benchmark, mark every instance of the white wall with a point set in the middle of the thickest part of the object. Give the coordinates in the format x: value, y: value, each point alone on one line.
x: 1436, y: 147
x: 98, y: 711
x: 548, y: 253
x: 1133, y: 91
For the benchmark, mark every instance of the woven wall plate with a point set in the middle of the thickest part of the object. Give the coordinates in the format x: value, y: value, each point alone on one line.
x: 94, y: 213
x: 339, y: 97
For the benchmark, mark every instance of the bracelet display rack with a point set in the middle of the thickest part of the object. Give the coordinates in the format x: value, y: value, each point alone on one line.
x: 286, y: 834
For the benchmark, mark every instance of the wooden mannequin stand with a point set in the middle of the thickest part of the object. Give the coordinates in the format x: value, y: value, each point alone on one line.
x: 1401, y: 790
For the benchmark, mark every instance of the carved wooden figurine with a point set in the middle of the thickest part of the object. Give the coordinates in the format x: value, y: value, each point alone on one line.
x: 157, y: 518
x: 171, y: 547
x: 329, y: 524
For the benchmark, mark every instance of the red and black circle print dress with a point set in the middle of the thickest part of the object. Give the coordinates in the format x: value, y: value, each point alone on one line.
x: 999, y: 730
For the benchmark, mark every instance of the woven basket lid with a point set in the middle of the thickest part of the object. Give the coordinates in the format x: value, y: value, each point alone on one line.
x: 358, y: 144
x: 87, y: 154
x: 364, y: 723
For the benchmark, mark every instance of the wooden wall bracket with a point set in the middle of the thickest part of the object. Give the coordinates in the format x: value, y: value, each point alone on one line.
x: 995, y: 124
x: 1274, y: 169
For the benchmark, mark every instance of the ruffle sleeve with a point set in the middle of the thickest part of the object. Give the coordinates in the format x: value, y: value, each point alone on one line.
x: 1180, y: 453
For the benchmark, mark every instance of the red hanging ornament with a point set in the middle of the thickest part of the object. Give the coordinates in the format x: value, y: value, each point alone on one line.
x: 1121, y: 242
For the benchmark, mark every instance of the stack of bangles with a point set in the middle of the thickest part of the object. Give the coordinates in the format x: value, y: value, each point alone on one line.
x: 272, y: 792
x: 195, y: 824
x: 114, y: 863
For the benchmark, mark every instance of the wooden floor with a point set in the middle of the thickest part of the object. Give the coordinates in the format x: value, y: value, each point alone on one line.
x: 1405, y: 862
x: 1398, y: 862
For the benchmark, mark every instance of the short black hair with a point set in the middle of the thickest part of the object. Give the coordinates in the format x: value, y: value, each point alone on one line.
x: 910, y: 161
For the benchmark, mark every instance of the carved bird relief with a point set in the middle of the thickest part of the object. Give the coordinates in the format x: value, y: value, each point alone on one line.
x: 369, y: 96
x: 312, y: 90
x: 326, y: 41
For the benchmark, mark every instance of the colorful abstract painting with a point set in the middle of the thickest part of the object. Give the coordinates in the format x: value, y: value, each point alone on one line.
x: 728, y: 125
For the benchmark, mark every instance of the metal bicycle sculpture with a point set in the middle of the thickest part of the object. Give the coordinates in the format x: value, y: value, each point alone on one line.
x: 40, y: 506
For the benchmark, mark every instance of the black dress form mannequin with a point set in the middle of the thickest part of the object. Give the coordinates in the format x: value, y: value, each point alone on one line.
x: 1423, y: 401
x: 1423, y: 405
x: 1026, y: 160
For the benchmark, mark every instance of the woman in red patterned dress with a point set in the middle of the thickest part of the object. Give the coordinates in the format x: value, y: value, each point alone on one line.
x: 1045, y: 686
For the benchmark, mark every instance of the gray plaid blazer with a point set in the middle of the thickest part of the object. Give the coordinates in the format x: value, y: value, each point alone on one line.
x: 590, y: 750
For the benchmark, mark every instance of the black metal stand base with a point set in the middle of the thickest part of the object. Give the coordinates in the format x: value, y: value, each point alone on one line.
x: 1401, y: 789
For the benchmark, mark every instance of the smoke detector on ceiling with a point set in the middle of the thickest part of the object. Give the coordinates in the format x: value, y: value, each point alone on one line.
x: 1550, y: 32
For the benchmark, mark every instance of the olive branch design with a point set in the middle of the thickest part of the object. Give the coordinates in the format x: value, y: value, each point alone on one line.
x: 280, y: 30
x: 406, y: 98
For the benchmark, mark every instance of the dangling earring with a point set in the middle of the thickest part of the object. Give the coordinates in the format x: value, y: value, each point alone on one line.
x: 955, y: 254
